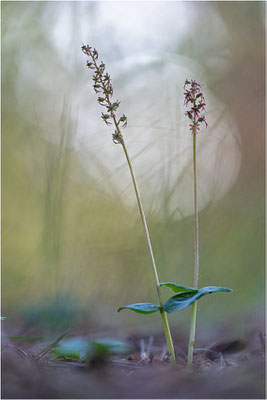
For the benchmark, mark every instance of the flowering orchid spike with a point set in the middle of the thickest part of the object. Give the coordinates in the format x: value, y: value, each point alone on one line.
x: 102, y: 84
x: 196, y: 112
x: 195, y: 98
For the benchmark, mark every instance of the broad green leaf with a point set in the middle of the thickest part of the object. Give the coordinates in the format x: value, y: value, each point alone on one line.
x: 184, y: 300
x: 72, y: 348
x: 141, y: 308
x: 213, y: 289
x: 177, y: 288
x: 82, y: 350
x: 113, y: 346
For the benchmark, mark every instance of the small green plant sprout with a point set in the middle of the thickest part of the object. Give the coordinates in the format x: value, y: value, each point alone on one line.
x: 188, y: 296
x: 102, y: 86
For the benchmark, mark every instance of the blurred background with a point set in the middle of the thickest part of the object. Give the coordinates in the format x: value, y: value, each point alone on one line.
x: 73, y: 247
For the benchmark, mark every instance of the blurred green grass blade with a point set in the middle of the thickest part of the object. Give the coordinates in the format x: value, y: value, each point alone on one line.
x: 141, y: 308
x: 184, y: 300
x: 26, y: 338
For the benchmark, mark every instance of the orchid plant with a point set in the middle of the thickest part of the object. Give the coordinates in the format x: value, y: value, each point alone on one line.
x: 185, y: 296
x: 102, y: 84
x: 195, y: 101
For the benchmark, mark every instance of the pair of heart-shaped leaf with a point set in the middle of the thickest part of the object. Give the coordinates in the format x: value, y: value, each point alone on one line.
x: 185, y: 297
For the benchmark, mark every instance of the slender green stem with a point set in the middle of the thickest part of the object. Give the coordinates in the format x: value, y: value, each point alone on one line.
x: 196, y: 240
x: 196, y: 252
x: 154, y: 268
x: 192, y: 333
x: 168, y: 336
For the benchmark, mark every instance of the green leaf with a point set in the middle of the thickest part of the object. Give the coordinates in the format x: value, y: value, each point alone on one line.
x: 184, y: 300
x: 177, y: 288
x: 82, y: 350
x: 141, y: 308
x: 112, y: 346
x: 72, y: 348
x: 2, y: 318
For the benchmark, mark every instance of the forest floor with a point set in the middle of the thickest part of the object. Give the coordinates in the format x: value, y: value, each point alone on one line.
x: 223, y: 370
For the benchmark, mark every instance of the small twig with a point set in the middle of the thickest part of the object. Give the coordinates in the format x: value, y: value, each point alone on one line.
x: 150, y: 342
x: 204, y: 349
x: 163, y: 353
x: 126, y: 364
x: 145, y: 350
x: 222, y: 360
x: 20, y: 351
x: 142, y: 349
x: 50, y: 347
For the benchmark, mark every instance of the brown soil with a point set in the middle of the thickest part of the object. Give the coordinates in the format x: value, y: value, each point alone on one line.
x: 230, y: 369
